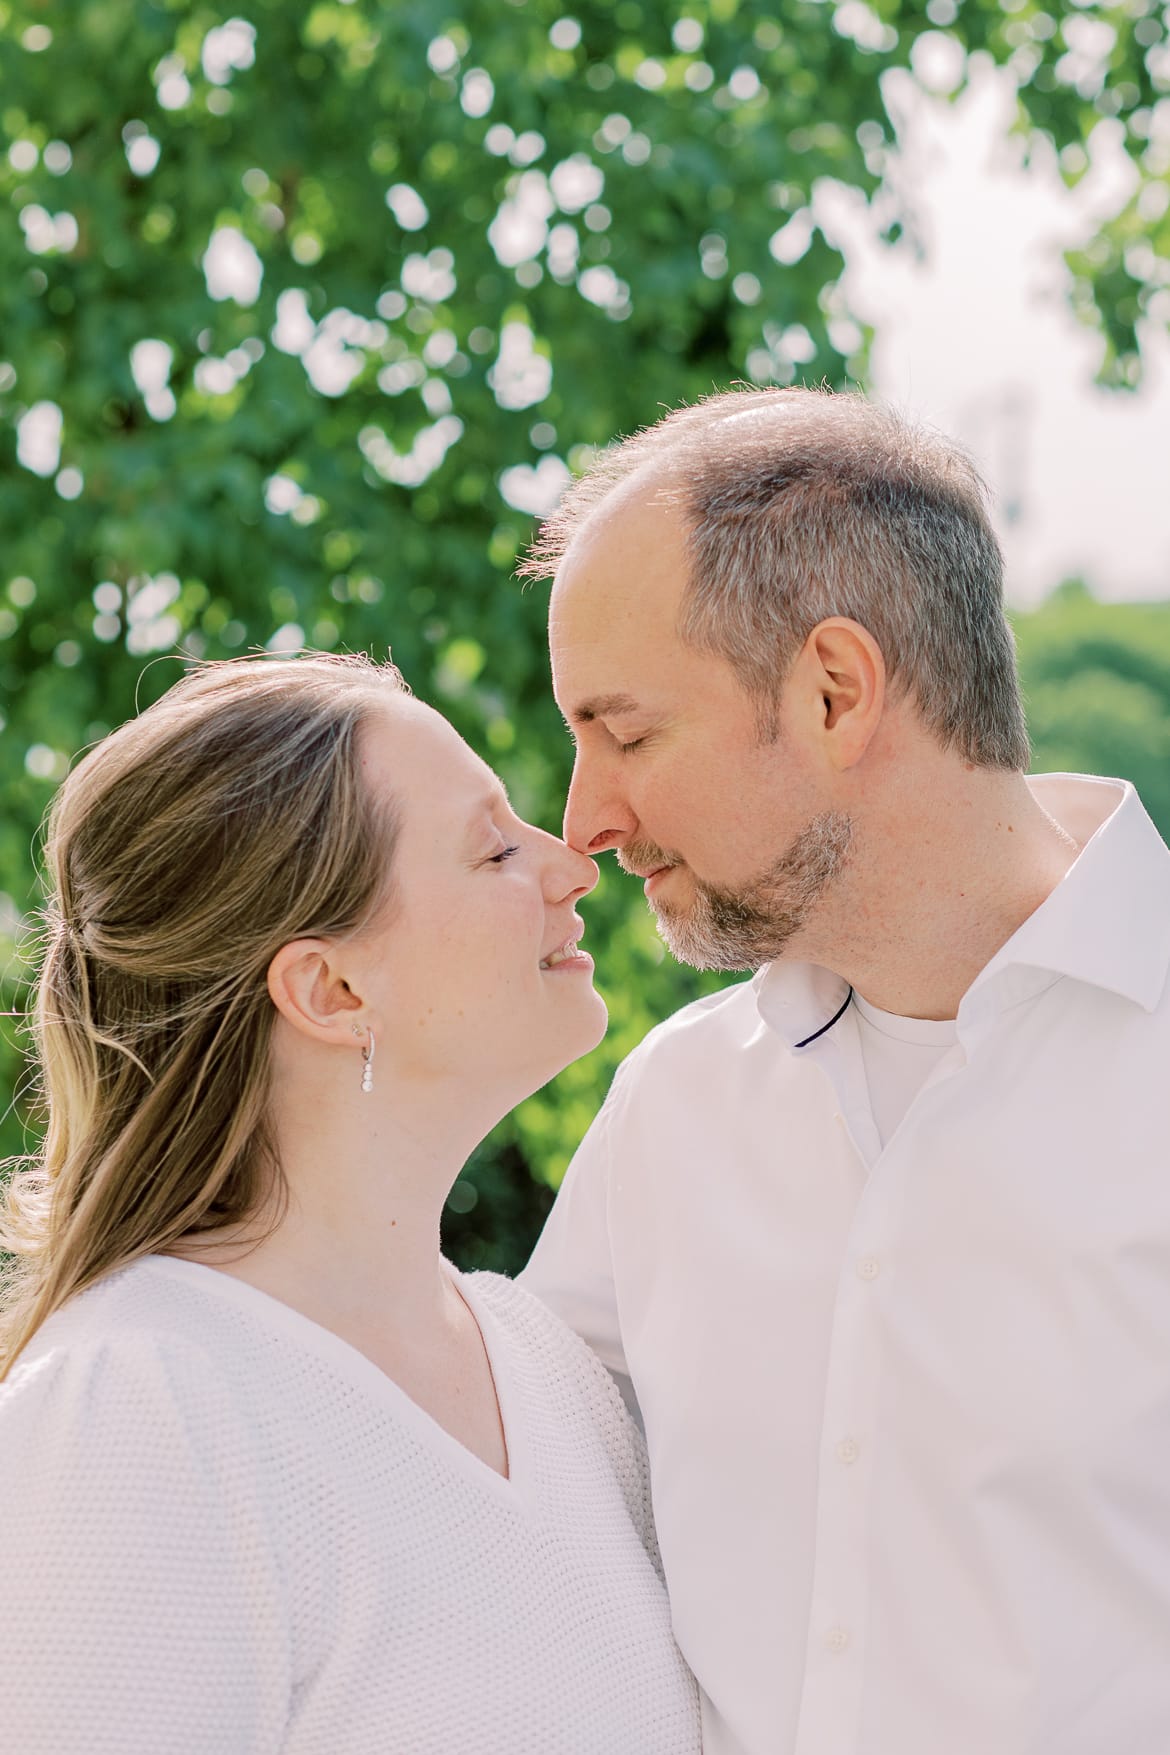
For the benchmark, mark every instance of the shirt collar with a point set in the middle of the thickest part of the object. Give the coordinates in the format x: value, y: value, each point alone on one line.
x: 798, y: 1000
x: 1106, y: 923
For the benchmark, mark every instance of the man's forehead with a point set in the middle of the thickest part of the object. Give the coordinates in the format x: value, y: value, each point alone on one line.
x: 613, y: 613
x: 623, y: 571
x: 599, y: 658
x: 645, y: 510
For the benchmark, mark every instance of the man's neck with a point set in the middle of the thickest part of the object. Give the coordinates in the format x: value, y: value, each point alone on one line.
x: 920, y: 914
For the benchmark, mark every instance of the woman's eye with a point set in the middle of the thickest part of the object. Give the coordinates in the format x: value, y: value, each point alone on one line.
x: 506, y: 853
x: 635, y: 743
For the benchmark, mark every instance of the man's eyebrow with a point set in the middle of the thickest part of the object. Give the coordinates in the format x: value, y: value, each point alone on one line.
x: 602, y: 707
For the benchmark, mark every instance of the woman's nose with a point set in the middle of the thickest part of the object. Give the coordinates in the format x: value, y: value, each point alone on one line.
x: 571, y: 874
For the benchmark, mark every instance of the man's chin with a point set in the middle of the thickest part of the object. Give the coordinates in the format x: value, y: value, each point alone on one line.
x: 689, y: 944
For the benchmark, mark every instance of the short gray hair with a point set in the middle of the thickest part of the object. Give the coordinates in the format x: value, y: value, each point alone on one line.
x: 804, y: 504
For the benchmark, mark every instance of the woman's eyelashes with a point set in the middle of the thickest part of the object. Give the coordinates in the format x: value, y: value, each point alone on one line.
x: 504, y: 853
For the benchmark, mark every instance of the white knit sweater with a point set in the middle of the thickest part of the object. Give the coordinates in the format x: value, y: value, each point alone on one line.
x: 223, y: 1531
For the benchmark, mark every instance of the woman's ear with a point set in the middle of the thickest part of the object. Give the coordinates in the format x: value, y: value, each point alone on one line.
x: 309, y: 991
x: 848, y: 673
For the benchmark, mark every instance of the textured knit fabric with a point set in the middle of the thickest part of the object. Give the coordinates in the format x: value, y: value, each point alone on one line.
x: 223, y: 1531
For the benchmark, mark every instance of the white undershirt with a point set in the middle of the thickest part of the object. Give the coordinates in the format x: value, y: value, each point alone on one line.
x: 899, y: 1055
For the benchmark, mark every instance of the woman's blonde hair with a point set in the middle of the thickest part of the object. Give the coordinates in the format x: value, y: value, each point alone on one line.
x: 182, y: 852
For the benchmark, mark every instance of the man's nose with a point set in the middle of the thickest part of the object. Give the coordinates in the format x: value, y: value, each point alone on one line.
x: 597, y: 814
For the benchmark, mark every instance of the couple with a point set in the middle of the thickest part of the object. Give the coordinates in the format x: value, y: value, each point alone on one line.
x: 878, y: 1243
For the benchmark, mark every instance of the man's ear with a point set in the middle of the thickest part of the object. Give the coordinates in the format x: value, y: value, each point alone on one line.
x: 309, y: 991
x: 845, y: 680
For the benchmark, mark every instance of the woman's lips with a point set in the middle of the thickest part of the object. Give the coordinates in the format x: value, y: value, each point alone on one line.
x: 581, y: 962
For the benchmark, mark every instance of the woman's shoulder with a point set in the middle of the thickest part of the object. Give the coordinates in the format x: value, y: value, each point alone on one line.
x: 571, y: 1389
x: 138, y: 1533
x: 531, y: 1325
x: 121, y: 1310
x: 560, y: 1364
x: 124, y: 1361
x: 567, y: 1383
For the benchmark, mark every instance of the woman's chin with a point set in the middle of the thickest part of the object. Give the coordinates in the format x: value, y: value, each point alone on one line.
x: 587, y: 1031
x: 575, y: 1040
x: 600, y: 1024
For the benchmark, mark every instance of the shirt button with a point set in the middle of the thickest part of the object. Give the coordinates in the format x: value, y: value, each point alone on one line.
x: 836, y: 1639
x: 868, y: 1267
x: 848, y: 1450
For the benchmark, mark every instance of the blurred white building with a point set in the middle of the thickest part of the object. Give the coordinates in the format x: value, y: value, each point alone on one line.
x: 974, y: 333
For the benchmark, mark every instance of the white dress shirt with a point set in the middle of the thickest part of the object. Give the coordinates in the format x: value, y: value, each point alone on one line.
x: 908, y: 1409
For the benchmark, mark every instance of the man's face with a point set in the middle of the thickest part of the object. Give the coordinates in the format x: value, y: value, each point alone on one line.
x: 735, y: 834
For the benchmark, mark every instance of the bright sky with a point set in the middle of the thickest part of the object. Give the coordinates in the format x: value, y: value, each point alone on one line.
x: 977, y: 338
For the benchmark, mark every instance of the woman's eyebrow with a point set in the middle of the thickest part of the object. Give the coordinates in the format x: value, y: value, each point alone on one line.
x: 495, y: 795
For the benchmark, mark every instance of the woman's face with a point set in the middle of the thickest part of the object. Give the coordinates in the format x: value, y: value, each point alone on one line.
x: 471, y: 970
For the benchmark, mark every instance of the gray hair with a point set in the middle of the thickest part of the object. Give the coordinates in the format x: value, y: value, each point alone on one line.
x: 804, y: 504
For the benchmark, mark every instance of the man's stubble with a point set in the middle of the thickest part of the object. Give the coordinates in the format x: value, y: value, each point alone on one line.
x: 746, y: 926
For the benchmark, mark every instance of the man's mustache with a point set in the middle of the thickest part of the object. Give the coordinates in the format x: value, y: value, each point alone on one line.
x: 640, y: 858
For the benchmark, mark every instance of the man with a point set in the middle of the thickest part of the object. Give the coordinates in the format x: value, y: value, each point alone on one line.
x: 881, y: 1238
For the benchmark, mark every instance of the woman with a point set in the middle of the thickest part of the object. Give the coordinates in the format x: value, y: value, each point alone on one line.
x: 273, y: 1475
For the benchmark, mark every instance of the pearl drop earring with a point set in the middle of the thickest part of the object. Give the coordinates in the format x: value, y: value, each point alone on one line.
x: 367, y: 1059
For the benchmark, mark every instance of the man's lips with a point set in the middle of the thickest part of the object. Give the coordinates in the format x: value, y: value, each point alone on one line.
x: 649, y: 871
x: 645, y: 871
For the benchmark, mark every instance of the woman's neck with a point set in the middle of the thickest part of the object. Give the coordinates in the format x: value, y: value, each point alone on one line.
x: 353, y: 1238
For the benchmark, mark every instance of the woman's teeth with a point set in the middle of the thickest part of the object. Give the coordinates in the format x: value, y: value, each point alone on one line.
x: 561, y: 956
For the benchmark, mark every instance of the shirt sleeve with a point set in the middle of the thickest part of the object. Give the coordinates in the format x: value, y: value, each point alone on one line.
x: 141, y: 1608
x: 571, y: 1269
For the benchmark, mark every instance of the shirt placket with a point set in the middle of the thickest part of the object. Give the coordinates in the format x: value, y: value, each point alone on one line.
x: 832, y: 1690
x: 831, y: 1697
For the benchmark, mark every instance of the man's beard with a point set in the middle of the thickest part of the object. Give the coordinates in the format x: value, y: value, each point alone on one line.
x: 746, y: 927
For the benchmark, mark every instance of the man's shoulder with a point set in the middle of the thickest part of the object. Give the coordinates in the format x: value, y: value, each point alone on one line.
x: 718, y: 1023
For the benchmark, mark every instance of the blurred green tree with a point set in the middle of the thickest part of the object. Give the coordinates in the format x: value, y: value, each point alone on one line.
x: 304, y: 314
x: 1097, y: 687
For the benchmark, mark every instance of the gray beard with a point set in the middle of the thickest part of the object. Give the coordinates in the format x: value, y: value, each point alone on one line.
x: 733, y: 929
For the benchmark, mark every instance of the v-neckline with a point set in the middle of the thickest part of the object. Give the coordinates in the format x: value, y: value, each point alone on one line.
x: 350, y: 1362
